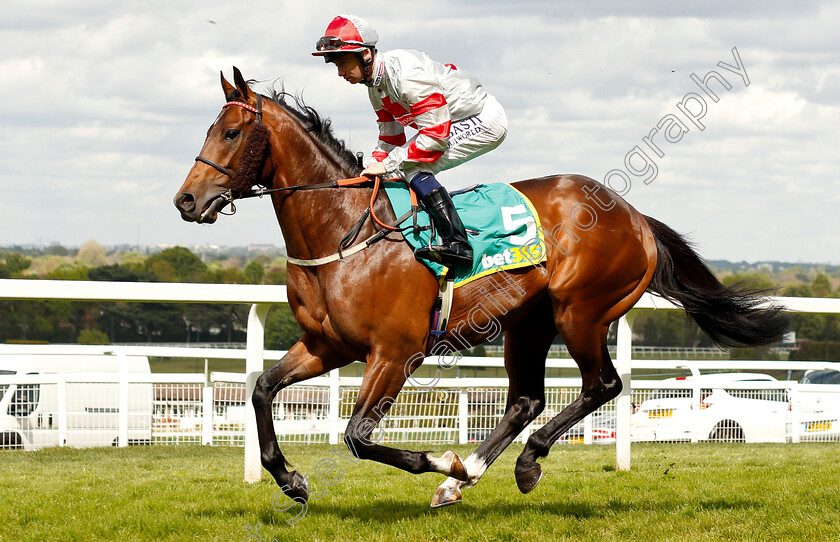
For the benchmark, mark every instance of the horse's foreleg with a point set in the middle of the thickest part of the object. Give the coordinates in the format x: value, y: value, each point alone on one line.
x: 526, y: 347
x: 381, y: 383
x: 524, y: 410
x: 588, y: 346
x: 308, y: 358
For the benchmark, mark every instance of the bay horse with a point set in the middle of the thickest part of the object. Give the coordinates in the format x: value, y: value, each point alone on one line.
x: 375, y: 305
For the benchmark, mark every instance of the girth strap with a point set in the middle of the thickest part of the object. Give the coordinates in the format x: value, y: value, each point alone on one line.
x: 440, y: 313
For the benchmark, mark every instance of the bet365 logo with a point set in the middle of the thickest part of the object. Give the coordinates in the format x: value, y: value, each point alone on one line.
x: 527, y: 246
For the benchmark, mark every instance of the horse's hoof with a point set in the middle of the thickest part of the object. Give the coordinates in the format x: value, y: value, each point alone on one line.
x: 528, y: 476
x: 297, y: 489
x: 446, y: 495
x: 456, y: 469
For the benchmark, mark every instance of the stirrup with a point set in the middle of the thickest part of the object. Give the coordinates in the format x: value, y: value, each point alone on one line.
x: 447, y: 255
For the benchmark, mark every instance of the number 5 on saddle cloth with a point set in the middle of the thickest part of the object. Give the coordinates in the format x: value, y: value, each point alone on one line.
x: 505, y: 234
x: 503, y: 225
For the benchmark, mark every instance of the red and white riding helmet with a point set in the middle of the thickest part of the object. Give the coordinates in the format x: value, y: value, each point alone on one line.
x: 346, y: 34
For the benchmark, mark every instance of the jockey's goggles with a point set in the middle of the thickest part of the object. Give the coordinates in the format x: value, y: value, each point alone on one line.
x: 334, y: 43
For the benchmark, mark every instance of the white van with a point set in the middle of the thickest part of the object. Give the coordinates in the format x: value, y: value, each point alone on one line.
x: 71, y: 400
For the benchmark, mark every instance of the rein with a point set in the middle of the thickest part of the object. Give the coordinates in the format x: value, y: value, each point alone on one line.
x: 341, y: 183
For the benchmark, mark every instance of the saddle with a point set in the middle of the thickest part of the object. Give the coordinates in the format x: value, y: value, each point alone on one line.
x: 503, y: 230
x: 503, y: 226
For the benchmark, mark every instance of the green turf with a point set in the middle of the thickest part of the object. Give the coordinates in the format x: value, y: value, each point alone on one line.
x: 674, y: 492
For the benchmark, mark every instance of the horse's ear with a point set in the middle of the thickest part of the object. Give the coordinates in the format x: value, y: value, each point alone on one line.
x: 240, y: 82
x: 230, y: 91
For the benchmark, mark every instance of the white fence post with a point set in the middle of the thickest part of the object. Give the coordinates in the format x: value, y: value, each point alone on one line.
x: 793, y: 397
x: 335, y: 403
x: 587, y: 430
x: 623, y: 403
x: 525, y: 434
x: 62, y: 409
x: 253, y: 369
x: 207, y: 409
x: 695, y: 404
x: 463, y: 418
x: 122, y: 435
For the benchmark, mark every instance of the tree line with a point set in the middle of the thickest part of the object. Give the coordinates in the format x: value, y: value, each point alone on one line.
x: 85, y: 322
x: 818, y: 335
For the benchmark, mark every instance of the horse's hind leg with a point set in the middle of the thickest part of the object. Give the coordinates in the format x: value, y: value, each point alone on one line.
x: 308, y: 358
x: 526, y: 347
x: 587, y: 344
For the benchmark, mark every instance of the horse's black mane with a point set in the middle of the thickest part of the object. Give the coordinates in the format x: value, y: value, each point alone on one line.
x: 317, y: 125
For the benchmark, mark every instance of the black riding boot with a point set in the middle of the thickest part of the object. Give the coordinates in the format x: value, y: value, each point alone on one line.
x: 455, y: 247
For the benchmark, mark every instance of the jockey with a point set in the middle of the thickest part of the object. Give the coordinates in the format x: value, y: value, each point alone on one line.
x: 455, y: 118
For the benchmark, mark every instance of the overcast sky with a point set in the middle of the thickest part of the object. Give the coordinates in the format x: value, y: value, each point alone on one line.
x: 105, y: 104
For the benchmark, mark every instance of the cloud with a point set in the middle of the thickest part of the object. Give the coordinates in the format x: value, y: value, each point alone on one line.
x: 106, y: 104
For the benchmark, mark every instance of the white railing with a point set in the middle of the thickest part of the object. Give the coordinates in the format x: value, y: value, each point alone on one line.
x: 261, y: 297
x: 122, y: 408
x: 624, y: 340
x: 648, y: 352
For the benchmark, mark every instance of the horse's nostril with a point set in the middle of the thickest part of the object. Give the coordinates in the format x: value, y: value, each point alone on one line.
x: 185, y: 202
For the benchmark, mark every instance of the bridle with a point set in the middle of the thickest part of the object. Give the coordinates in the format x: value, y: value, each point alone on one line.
x: 228, y: 195
x: 252, y: 192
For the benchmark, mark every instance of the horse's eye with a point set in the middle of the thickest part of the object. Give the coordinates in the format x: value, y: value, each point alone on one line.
x: 231, y: 134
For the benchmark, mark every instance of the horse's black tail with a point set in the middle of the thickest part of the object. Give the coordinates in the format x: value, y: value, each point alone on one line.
x: 732, y: 316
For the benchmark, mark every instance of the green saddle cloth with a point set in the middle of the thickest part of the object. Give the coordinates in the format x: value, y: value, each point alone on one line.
x: 508, y: 229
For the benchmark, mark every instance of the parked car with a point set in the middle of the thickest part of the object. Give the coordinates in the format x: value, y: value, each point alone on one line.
x: 30, y: 417
x: 725, y: 411
x: 603, y: 430
x: 821, y: 376
x: 818, y: 406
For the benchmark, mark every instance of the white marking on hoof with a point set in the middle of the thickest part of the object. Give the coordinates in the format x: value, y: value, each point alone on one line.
x: 450, y: 484
x: 476, y: 468
x: 445, y: 496
x: 449, y: 492
x: 449, y: 464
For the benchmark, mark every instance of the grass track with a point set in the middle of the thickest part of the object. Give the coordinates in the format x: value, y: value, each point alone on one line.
x: 674, y: 492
